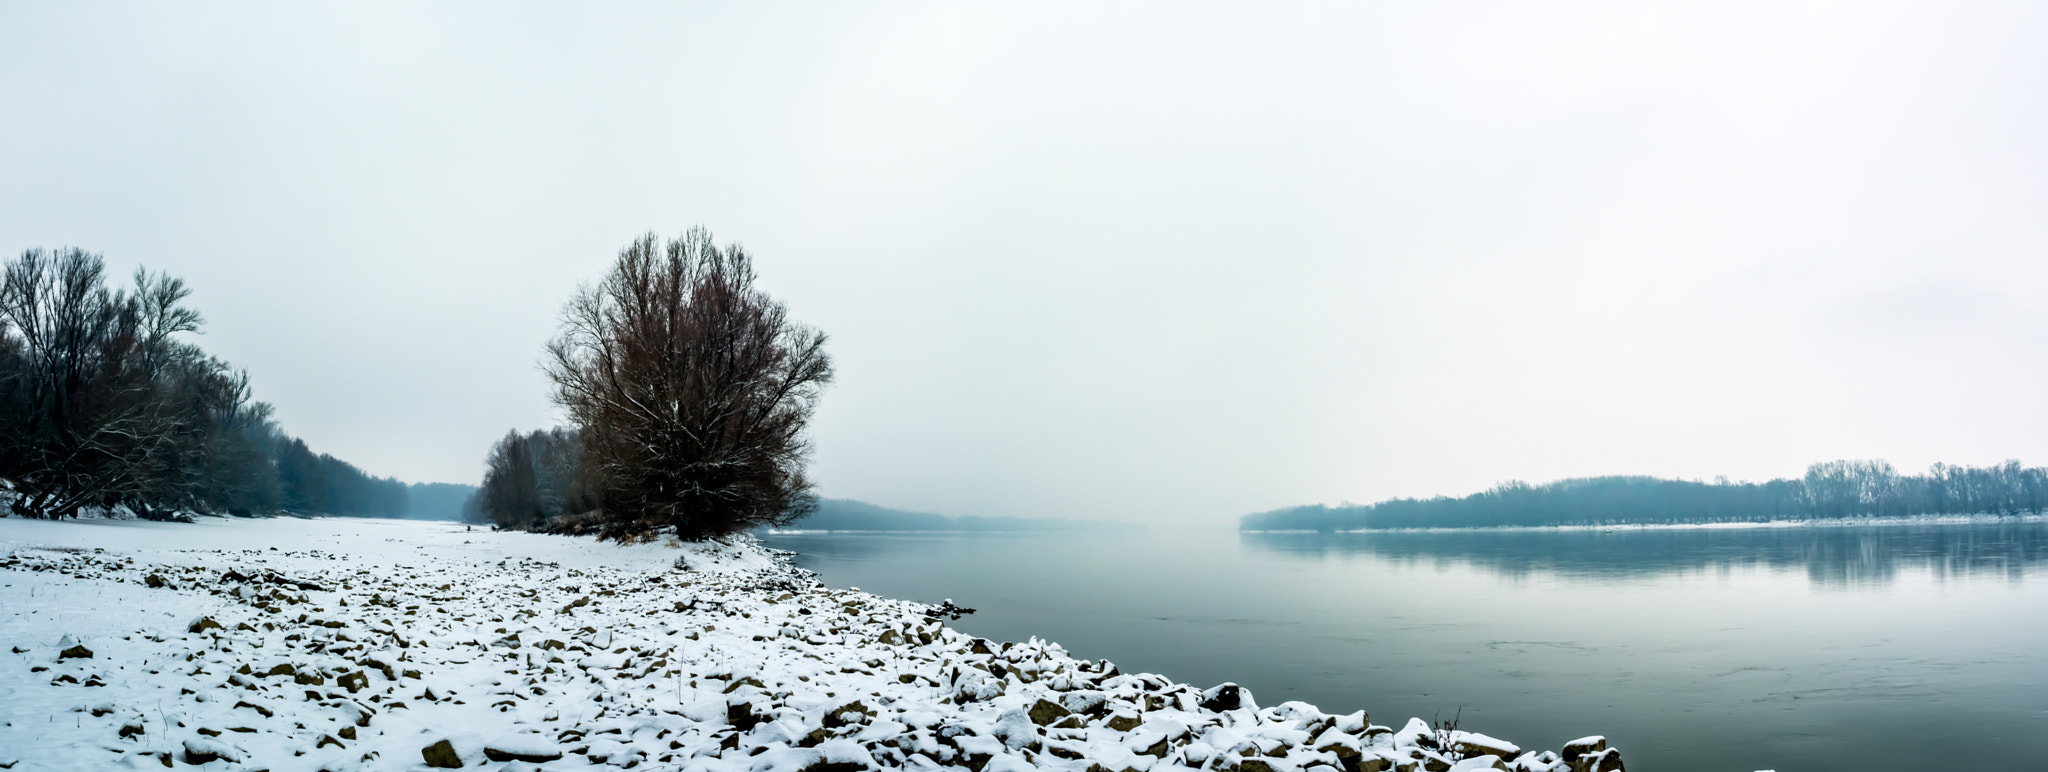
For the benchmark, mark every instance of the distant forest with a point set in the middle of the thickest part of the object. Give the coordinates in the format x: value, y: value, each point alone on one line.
x: 850, y: 515
x: 103, y: 403
x: 1834, y: 489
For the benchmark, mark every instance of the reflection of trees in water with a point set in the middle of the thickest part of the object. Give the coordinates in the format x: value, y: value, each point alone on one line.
x: 1831, y: 555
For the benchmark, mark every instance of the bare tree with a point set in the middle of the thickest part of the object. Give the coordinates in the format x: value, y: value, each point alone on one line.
x: 104, y: 402
x: 87, y: 419
x: 691, y: 389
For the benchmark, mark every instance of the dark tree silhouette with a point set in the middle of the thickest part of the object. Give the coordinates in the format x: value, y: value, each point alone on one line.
x: 532, y: 480
x: 103, y: 403
x: 691, y: 389
x: 1832, y: 489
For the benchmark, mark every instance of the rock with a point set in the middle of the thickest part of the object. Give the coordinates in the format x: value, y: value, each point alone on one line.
x: 531, y: 749
x: 1470, y: 744
x: 1084, y: 701
x: 747, y: 681
x: 347, y: 733
x: 1479, y: 763
x: 1015, y: 729
x: 1227, y: 696
x: 1045, y: 712
x: 202, y: 624
x: 265, y: 712
x: 326, y: 740
x: 975, y: 686
x: 374, y: 663
x: 1254, y: 765
x: 840, y: 756
x: 1582, y: 746
x: 154, y: 581
x: 75, y: 652
x: 1159, y: 749
x: 742, y: 716
x: 854, y: 712
x: 1606, y: 760
x: 131, y: 730
x: 198, y: 751
x: 1124, y: 722
x: 353, y: 682
x: 441, y: 755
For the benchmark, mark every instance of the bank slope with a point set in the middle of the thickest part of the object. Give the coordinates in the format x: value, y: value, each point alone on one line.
x: 349, y: 644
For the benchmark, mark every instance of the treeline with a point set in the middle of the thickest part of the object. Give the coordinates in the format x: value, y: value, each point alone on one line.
x: 1834, y: 489
x: 103, y: 403
x: 532, y: 481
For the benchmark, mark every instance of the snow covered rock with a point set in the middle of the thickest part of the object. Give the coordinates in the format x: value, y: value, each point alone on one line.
x: 1475, y: 744
x: 1478, y: 763
x: 441, y: 755
x: 200, y: 750
x: 525, y: 747
x: 1227, y: 697
x: 1582, y: 746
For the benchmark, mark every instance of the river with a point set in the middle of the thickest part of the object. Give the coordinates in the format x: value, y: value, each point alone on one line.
x: 1908, y: 646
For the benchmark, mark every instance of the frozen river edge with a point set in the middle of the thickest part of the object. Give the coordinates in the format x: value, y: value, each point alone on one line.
x: 344, y: 644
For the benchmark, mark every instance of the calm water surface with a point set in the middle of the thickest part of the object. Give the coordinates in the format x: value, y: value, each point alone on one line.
x: 1815, y: 648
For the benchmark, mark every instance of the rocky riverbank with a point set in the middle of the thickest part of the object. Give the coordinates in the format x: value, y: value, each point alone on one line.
x: 344, y: 645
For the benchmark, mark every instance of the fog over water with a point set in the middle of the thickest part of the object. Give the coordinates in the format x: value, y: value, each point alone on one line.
x: 1834, y: 647
x: 1146, y: 261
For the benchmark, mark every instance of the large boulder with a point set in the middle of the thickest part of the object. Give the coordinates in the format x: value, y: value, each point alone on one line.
x: 441, y: 755
x: 1607, y: 760
x: 1583, y: 746
x: 1044, y: 712
x: 200, y: 750
x: 1016, y: 730
x: 533, y: 749
x: 1227, y: 696
x: 1471, y: 744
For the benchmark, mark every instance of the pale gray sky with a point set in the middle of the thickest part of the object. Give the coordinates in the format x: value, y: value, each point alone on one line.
x: 1147, y: 261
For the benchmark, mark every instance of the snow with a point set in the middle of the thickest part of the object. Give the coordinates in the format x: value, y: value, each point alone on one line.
x: 352, y: 644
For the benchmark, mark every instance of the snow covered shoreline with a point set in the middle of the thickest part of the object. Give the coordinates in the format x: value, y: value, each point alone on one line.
x: 344, y: 644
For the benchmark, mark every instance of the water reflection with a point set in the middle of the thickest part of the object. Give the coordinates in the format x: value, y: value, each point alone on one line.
x: 1844, y: 555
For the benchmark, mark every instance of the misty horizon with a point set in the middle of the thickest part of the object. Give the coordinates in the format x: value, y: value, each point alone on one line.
x: 1102, y: 262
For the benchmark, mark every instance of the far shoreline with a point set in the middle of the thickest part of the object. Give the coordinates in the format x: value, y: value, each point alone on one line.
x: 1826, y: 522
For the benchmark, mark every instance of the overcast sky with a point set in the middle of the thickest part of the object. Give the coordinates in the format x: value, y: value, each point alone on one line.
x: 1143, y: 261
